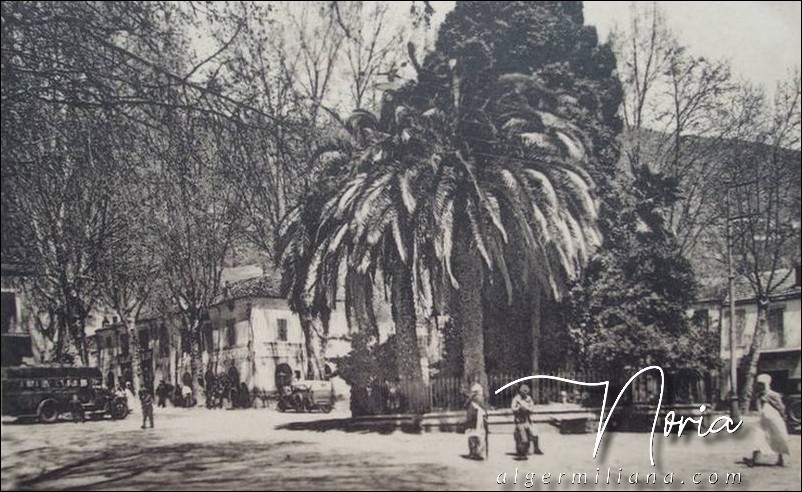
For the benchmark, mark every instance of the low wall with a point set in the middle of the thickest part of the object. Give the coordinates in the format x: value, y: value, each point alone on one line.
x: 628, y: 419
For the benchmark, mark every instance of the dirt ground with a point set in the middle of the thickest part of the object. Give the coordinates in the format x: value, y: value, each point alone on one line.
x: 243, y: 449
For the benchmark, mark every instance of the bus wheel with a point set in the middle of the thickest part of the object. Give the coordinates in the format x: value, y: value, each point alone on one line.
x: 48, y: 411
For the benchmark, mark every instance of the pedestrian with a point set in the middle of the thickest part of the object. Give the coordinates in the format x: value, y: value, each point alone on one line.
x: 186, y: 395
x: 161, y: 394
x: 77, y: 410
x: 476, y: 424
x: 129, y: 397
x: 146, y: 400
x: 773, y: 438
x: 522, y: 409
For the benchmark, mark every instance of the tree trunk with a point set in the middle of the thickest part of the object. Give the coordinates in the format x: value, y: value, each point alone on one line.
x: 406, y: 337
x: 359, y: 304
x: 468, y: 315
x: 196, y: 358
x: 315, y: 329
x: 536, y: 303
x: 133, y: 337
x: 753, y: 356
x: 536, y: 331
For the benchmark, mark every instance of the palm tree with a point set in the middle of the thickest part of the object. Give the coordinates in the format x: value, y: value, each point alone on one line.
x: 363, y: 223
x: 298, y: 231
x: 507, y: 185
x: 371, y: 223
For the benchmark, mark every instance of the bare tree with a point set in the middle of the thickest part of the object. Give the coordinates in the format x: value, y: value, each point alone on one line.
x: 766, y: 197
x: 679, y: 112
x: 195, y: 220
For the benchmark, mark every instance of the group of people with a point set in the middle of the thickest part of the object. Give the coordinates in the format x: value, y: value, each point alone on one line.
x: 770, y: 441
x: 523, y: 406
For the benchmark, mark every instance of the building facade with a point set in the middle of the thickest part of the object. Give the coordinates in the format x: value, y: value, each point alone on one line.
x: 249, y: 334
x: 782, y: 344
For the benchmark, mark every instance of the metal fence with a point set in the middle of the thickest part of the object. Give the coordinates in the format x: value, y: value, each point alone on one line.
x: 447, y: 394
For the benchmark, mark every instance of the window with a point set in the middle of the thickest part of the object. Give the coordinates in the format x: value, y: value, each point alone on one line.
x: 701, y: 317
x: 164, y: 341
x: 740, y: 326
x: 124, y: 343
x: 144, y: 339
x: 9, y: 312
x: 775, y: 335
x: 231, y: 333
x: 282, y: 330
x: 208, y: 338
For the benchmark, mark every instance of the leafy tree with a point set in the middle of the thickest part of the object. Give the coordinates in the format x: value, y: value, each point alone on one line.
x: 630, y: 309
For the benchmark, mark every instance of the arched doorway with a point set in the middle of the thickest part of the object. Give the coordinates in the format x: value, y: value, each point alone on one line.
x: 284, y: 375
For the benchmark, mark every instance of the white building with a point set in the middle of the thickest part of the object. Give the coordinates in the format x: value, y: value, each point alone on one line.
x: 249, y: 333
x: 782, y: 343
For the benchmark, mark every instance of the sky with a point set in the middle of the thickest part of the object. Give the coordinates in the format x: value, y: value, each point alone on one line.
x: 761, y: 40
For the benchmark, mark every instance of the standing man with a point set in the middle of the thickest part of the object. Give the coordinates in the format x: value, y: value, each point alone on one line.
x: 146, y: 400
x: 476, y: 424
x: 77, y: 410
x: 522, y: 408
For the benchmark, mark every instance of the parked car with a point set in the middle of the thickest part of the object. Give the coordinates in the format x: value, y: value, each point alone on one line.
x: 304, y: 395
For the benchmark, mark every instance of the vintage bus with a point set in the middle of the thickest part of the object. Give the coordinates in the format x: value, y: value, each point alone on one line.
x: 45, y: 392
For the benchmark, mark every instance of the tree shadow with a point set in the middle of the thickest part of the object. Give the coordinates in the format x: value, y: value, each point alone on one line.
x: 358, y: 426
x: 230, y: 465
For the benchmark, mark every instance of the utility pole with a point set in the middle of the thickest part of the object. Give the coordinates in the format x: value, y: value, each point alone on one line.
x: 735, y: 409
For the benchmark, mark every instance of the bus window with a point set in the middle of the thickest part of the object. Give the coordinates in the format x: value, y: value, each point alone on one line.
x: 44, y: 383
x: 84, y: 383
x: 30, y: 383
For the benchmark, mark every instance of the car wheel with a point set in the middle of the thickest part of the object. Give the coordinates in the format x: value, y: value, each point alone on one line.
x: 48, y: 411
x: 119, y: 411
x: 794, y: 412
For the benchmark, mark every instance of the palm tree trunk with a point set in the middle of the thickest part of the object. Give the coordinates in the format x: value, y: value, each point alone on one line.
x: 403, y: 305
x: 468, y: 314
x: 536, y: 303
x: 535, y: 300
x: 315, y: 330
x: 753, y: 356
x: 359, y: 304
